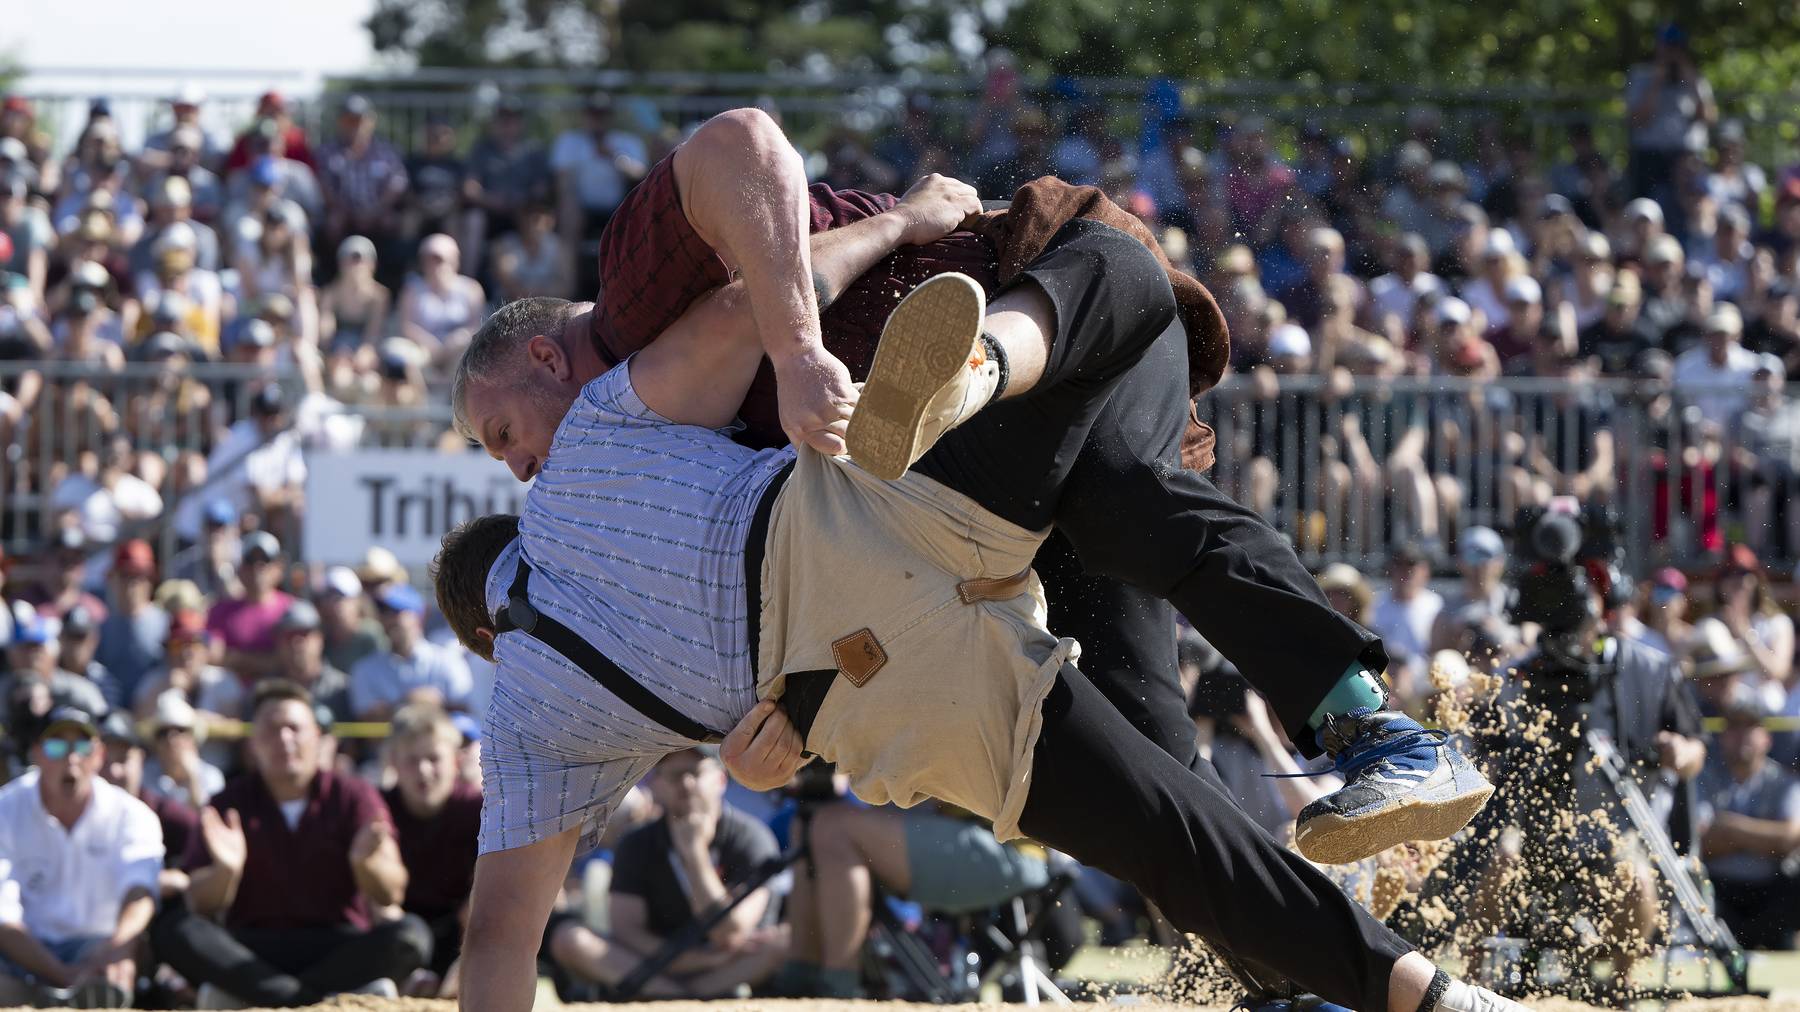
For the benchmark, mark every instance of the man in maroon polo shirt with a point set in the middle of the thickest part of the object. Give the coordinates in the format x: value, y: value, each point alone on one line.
x: 305, y: 871
x: 437, y: 817
x: 246, y: 624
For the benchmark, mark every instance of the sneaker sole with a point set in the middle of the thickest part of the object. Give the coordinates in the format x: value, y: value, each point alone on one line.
x: 1337, y: 839
x: 926, y: 340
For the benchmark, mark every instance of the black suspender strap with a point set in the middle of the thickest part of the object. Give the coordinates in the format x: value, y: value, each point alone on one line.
x: 520, y: 615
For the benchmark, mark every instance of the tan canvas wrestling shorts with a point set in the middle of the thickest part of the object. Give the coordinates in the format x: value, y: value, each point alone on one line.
x: 925, y: 605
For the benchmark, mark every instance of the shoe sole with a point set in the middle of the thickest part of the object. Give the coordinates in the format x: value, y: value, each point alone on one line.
x: 1337, y: 839
x: 927, y: 339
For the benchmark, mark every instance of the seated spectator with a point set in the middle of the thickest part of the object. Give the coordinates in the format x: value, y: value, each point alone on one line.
x: 176, y: 768
x: 1750, y: 805
x: 302, y: 868
x: 1403, y: 615
x: 350, y: 632
x: 1733, y: 181
x: 79, y: 866
x: 1769, y: 451
x: 111, y: 499
x: 65, y: 587
x: 1500, y: 263
x: 1727, y: 261
x: 363, y: 178
x: 439, y: 307
x: 533, y: 261
x: 186, y: 163
x: 272, y: 256
x: 35, y: 684
x: 124, y: 768
x: 212, y: 564
x: 272, y: 109
x: 271, y: 184
x: 1620, y: 339
x: 1478, y: 609
x: 437, y: 819
x: 132, y: 636
x: 1517, y: 337
x: 179, y: 295
x: 1721, y: 670
x: 1347, y: 591
x: 353, y: 309
x: 1324, y: 265
x: 1665, y: 303
x: 1570, y: 448
x: 1742, y: 601
x: 1717, y: 376
x: 1641, y: 224
x: 1393, y: 295
x: 260, y: 461
x: 171, y: 204
x: 76, y: 644
x: 300, y: 658
x: 413, y: 669
x: 245, y: 625
x: 29, y: 232
x: 507, y: 173
x: 435, y: 175
x: 669, y: 872
x: 594, y: 166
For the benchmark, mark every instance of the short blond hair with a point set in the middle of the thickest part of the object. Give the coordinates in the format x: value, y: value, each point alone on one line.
x: 416, y: 721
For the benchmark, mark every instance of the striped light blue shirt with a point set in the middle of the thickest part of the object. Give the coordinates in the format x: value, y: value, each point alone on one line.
x: 634, y: 531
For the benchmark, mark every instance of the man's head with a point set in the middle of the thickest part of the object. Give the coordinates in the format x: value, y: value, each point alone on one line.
x: 300, y: 643
x: 687, y: 781
x: 459, y: 574
x: 123, y: 766
x: 33, y: 648
x: 188, y: 645
x: 1408, y: 571
x: 68, y: 553
x: 339, y: 597
x: 517, y: 379
x: 356, y: 119
x: 1482, y: 554
x: 1724, y: 326
x: 402, y: 613
x: 1745, y: 741
x: 284, y: 736
x: 68, y: 754
x: 1524, y: 305
x: 80, y: 638
x: 259, y: 564
x: 423, y: 750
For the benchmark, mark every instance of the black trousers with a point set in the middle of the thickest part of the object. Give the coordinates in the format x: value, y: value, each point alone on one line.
x: 1101, y: 789
x: 282, y: 968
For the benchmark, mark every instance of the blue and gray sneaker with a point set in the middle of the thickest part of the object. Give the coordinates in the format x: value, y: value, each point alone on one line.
x: 1401, y: 783
x: 1298, y: 1003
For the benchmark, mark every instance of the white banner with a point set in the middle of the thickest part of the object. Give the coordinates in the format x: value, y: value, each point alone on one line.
x: 404, y: 500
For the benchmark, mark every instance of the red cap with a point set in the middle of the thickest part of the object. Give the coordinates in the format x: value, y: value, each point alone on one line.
x: 1670, y: 577
x: 1739, y: 558
x: 17, y: 103
x: 271, y: 101
x: 1790, y: 192
x: 134, y: 558
x: 186, y: 626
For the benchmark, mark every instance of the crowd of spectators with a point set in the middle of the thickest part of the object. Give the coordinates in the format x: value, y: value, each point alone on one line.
x: 193, y: 712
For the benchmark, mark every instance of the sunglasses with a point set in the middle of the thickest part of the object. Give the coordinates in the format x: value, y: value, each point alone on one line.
x: 58, y: 749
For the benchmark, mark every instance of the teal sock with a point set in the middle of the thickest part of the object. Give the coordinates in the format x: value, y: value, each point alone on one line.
x: 1360, y: 688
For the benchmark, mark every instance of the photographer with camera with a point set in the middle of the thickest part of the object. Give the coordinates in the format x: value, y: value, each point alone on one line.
x: 1564, y: 835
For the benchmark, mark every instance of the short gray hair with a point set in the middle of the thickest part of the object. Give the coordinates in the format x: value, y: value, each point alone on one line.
x: 495, y: 350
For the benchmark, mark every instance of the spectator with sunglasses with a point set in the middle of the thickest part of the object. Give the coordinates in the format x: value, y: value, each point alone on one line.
x: 79, y: 864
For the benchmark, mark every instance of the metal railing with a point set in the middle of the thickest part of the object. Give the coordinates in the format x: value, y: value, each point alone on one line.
x: 1346, y: 474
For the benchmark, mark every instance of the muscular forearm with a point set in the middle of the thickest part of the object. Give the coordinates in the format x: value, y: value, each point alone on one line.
x: 29, y: 954
x: 212, y: 889
x: 382, y: 879
x: 1733, y: 832
x: 842, y: 255
x: 134, y: 918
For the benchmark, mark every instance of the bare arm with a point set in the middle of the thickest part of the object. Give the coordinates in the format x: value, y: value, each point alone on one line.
x: 698, y: 371
x: 514, y: 891
x: 1731, y: 832
x: 29, y: 954
x: 934, y: 207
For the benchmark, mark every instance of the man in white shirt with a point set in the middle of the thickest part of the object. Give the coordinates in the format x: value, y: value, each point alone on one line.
x: 1403, y: 616
x: 266, y: 462
x: 79, y: 861
x: 412, y: 669
x: 1716, y: 376
x: 594, y: 167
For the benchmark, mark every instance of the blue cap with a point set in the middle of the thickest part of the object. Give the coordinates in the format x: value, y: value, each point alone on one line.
x: 264, y: 171
x: 1672, y: 35
x: 402, y: 597
x: 34, y: 632
x: 221, y: 513
x: 467, y: 725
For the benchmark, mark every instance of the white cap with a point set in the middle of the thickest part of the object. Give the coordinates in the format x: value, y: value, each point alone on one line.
x: 1664, y: 249
x: 1644, y: 208
x: 90, y: 274
x: 1413, y: 156
x: 1425, y: 282
x: 359, y: 245
x: 1524, y: 288
x: 1725, y: 318
x: 179, y: 235
x: 174, y: 711
x: 1447, y: 174
x: 1290, y: 340
x: 1452, y: 310
x: 1597, y: 246
x: 189, y: 93
x: 342, y: 581
x: 1499, y: 244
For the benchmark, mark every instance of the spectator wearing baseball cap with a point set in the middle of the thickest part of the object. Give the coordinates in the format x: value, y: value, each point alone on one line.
x: 245, y: 625
x: 1663, y: 626
x: 1474, y: 618
x: 124, y: 769
x: 1743, y: 602
x: 35, y: 683
x: 189, y: 675
x: 1716, y: 376
x: 288, y: 136
x: 76, y: 645
x: 300, y: 658
x: 78, y: 876
x: 412, y: 669
x: 132, y: 636
x: 351, y: 632
x: 1347, y: 590
x: 211, y: 564
x: 1750, y: 813
x: 177, y: 768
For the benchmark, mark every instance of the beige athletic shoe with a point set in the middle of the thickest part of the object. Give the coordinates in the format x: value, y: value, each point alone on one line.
x: 930, y: 375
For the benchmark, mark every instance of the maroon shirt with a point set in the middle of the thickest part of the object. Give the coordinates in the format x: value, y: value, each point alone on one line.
x: 439, y: 852
x: 300, y: 877
x: 653, y: 266
x: 248, y: 625
x: 183, y: 847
